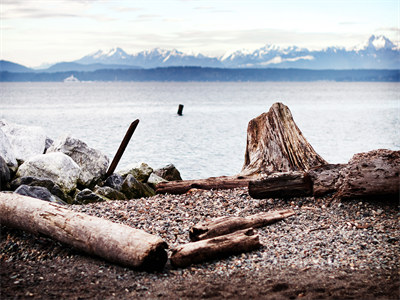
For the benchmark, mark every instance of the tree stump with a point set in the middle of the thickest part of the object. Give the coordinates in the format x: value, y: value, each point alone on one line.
x: 276, y: 144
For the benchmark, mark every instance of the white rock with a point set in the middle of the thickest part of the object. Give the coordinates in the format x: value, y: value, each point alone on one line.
x: 92, y: 162
x: 26, y: 141
x: 57, y: 167
x: 7, y: 152
x: 155, y: 179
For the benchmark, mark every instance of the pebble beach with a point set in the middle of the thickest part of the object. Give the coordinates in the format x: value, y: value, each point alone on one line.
x: 315, y: 253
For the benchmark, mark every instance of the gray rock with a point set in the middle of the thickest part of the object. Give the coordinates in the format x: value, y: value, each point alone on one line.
x: 47, y: 183
x: 26, y: 141
x: 109, y: 193
x: 169, y: 172
x: 4, y: 174
x: 114, y: 181
x: 38, y: 192
x: 57, y: 167
x: 92, y: 162
x: 87, y: 196
x: 7, y: 152
x: 155, y: 179
x: 141, y: 171
x: 134, y: 189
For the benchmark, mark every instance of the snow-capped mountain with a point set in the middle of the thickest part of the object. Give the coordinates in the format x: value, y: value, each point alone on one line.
x: 377, y: 52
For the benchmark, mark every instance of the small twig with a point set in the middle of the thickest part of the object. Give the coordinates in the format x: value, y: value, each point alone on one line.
x: 318, y: 228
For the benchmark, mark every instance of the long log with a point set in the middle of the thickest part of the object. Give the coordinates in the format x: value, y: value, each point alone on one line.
x: 114, y: 242
x: 373, y: 174
x: 218, y: 247
x: 225, y: 225
x: 183, y: 186
x: 281, y: 185
x: 325, y: 178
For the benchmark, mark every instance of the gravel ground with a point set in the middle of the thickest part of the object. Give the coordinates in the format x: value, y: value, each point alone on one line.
x: 330, y: 250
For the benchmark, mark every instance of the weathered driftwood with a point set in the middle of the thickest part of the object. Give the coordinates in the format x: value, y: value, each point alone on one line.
x: 183, y: 186
x: 324, y: 178
x: 276, y: 144
x: 225, y: 225
x: 114, y: 242
x: 234, y: 243
x: 370, y: 174
x: 281, y: 185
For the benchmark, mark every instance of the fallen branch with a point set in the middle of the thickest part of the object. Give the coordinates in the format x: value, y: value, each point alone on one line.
x: 226, y: 225
x: 183, y: 186
x: 114, y: 242
x: 218, y: 247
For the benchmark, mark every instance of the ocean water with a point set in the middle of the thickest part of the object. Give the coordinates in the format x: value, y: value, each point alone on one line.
x: 338, y: 119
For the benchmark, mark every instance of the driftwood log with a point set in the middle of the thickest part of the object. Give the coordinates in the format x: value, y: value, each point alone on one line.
x: 370, y: 174
x: 366, y: 175
x: 114, y: 242
x: 225, y: 225
x: 276, y: 144
x: 183, y: 186
x: 222, y: 246
x: 281, y: 185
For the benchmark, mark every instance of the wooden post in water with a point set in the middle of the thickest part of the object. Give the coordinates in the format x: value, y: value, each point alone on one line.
x: 122, y: 147
x: 180, y: 109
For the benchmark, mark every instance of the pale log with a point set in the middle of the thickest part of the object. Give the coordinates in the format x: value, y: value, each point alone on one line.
x: 281, y: 185
x: 276, y: 144
x: 114, y: 242
x: 183, y: 186
x: 218, y: 247
x: 224, y: 225
x: 373, y: 174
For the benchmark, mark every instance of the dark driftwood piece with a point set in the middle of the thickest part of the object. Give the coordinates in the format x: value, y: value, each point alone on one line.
x: 114, y: 242
x: 224, y: 225
x: 218, y: 247
x: 281, y: 185
x: 183, y: 186
x: 276, y: 144
x: 324, y: 178
x: 370, y: 174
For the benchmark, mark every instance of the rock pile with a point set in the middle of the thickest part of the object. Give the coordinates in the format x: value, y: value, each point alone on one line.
x: 67, y: 170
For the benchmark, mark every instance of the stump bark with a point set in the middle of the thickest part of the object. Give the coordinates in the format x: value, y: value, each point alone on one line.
x: 222, y: 246
x: 276, y: 144
x: 225, y: 225
x: 114, y: 242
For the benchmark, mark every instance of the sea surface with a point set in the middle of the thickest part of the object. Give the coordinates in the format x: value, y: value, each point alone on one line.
x: 338, y: 119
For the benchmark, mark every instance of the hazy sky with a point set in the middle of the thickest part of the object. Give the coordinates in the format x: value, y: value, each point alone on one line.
x: 39, y: 31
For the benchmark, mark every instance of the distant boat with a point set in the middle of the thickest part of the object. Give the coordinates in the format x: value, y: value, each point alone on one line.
x: 71, y: 78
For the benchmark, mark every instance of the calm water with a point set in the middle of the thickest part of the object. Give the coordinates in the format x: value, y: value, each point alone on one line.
x: 338, y: 119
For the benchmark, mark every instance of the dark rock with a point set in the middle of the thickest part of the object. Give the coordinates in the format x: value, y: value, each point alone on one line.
x: 52, y: 187
x: 48, y: 143
x: 114, y: 181
x: 38, y: 192
x: 87, y: 196
x: 133, y: 188
x: 110, y: 193
x: 4, y: 174
x: 169, y: 172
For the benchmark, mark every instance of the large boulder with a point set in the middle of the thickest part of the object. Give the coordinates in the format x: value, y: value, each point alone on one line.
x: 87, y: 196
x: 92, y: 162
x: 38, y: 192
x: 169, y: 173
x: 26, y: 141
x: 43, y: 182
x: 56, y: 166
x: 109, y: 193
x: 114, y: 181
x: 140, y: 170
x: 4, y: 174
x: 133, y: 188
x: 7, y: 152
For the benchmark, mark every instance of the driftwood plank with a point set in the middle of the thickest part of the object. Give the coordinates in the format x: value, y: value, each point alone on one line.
x: 114, y: 242
x: 218, y: 247
x: 225, y: 225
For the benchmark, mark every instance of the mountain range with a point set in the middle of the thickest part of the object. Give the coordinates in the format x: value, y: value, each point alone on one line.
x: 378, y: 52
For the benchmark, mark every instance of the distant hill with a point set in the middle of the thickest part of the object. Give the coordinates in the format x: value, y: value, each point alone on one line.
x: 208, y: 74
x: 13, y: 67
x: 73, y: 66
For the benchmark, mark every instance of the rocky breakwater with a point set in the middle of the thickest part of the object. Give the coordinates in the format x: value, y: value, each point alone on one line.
x: 67, y: 170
